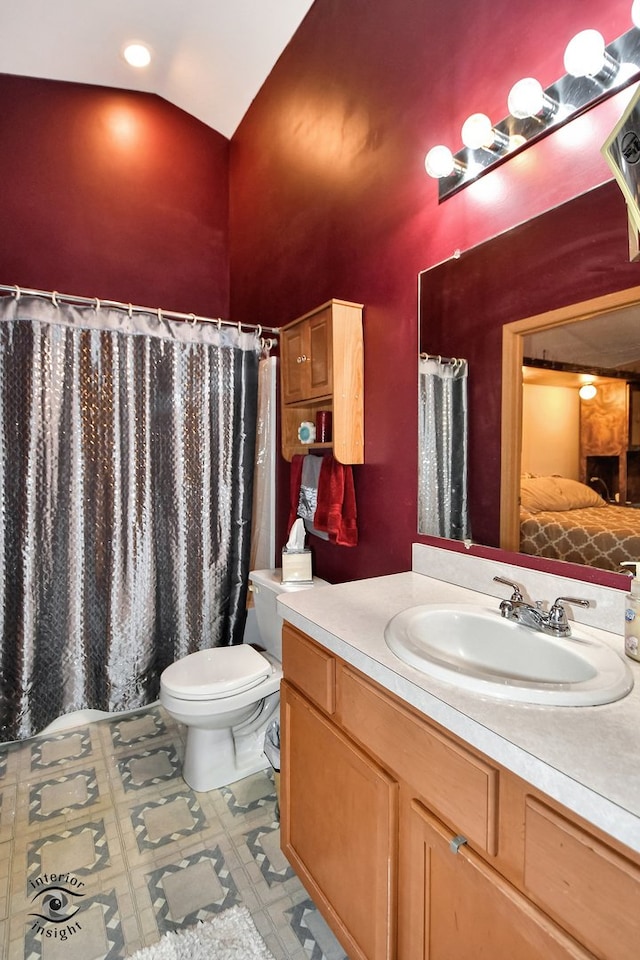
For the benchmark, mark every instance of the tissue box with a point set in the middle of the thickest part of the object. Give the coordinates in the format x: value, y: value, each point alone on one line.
x: 296, y: 566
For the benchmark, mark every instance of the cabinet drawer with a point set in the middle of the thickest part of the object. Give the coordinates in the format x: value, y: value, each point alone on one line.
x: 310, y: 668
x: 458, y: 786
x: 591, y: 890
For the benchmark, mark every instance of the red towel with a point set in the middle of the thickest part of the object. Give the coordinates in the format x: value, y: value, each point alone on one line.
x: 336, y: 509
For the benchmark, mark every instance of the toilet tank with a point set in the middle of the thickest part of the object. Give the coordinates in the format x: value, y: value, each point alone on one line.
x: 267, y: 586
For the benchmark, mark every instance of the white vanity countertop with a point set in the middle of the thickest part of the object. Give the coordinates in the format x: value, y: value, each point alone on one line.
x: 587, y: 758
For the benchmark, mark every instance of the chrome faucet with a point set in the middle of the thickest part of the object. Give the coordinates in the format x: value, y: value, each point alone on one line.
x: 553, y: 621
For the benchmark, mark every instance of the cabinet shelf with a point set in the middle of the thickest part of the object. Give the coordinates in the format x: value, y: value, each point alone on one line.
x: 323, y: 370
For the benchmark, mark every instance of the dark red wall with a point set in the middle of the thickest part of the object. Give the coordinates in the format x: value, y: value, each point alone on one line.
x: 112, y: 194
x: 121, y: 195
x: 329, y: 198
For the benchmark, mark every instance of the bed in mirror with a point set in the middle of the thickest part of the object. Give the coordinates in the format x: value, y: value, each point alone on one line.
x: 529, y: 291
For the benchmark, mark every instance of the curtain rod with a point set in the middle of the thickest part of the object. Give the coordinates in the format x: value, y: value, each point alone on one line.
x: 54, y: 296
x: 436, y: 356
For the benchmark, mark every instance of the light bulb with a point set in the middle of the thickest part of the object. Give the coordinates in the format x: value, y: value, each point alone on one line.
x: 439, y: 162
x: 635, y: 13
x: 588, y: 391
x: 528, y: 99
x: 137, y: 55
x: 585, y: 54
x: 477, y: 132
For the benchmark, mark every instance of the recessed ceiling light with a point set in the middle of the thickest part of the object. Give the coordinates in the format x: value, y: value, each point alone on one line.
x: 137, y: 54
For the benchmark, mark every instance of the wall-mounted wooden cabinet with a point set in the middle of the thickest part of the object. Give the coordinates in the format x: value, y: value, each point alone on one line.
x: 322, y: 369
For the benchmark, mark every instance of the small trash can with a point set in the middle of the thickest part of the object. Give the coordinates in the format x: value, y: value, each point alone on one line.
x: 272, y: 753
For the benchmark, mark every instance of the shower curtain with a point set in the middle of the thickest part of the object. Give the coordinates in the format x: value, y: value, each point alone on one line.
x: 443, y: 448
x: 126, y: 463
x: 263, y: 529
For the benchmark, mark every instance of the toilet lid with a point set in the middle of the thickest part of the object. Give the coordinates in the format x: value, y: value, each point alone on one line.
x: 219, y: 672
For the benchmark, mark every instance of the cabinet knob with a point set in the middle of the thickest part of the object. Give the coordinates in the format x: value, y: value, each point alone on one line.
x: 302, y: 359
x: 456, y: 843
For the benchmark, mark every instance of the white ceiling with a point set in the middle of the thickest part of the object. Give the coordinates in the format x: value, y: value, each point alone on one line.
x: 210, y: 56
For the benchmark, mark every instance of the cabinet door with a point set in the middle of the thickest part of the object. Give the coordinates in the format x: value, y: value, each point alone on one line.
x: 454, y: 906
x: 295, y: 363
x: 320, y: 350
x: 339, y: 828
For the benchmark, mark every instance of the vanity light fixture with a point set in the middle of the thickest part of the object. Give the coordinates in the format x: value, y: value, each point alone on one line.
x: 587, y: 391
x: 528, y: 99
x: 595, y: 71
x: 137, y: 54
x: 440, y: 162
x: 478, y: 133
x: 586, y: 56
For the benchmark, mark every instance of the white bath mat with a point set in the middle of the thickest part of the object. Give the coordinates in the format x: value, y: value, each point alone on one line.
x: 231, y: 935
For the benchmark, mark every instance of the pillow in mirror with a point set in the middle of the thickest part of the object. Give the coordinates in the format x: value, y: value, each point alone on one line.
x: 539, y: 494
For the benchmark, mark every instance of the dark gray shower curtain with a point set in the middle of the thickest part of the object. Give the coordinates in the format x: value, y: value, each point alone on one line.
x: 126, y: 470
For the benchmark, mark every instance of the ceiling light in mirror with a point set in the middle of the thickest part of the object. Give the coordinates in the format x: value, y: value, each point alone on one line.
x: 587, y: 391
x: 137, y: 54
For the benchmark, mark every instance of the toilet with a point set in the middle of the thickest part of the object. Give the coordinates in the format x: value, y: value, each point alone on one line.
x: 226, y: 696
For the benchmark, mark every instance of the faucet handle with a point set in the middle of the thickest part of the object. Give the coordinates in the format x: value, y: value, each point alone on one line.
x: 558, y: 614
x: 517, y: 593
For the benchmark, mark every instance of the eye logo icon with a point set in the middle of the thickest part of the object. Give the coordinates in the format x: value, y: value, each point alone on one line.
x: 56, y: 904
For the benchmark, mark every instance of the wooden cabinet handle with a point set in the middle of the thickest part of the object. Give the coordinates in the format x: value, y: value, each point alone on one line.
x: 302, y: 359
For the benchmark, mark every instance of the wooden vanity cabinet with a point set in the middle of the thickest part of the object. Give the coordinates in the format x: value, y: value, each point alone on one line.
x: 339, y: 831
x: 415, y: 846
x: 322, y: 368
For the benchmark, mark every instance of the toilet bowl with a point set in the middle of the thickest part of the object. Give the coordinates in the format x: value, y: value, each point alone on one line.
x: 226, y: 696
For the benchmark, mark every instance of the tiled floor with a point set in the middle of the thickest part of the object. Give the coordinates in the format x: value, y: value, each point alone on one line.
x: 103, y: 848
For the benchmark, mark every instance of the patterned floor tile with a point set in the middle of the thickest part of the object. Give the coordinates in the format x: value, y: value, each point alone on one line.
x: 61, y: 749
x: 62, y: 924
x: 158, y: 822
x: 149, y: 768
x: 102, y: 810
x: 264, y: 845
x: 195, y: 889
x: 138, y: 728
x: 61, y: 796
x: 313, y: 933
x: 253, y: 793
x: 8, y: 801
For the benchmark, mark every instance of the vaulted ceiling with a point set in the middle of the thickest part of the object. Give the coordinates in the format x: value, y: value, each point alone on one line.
x: 210, y: 57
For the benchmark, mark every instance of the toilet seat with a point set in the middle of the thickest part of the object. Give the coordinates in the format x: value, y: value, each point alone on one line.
x: 216, y: 673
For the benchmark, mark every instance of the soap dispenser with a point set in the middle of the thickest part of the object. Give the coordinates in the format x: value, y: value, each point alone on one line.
x: 632, y: 613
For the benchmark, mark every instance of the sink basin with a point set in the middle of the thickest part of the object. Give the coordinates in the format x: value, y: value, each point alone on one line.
x: 476, y: 649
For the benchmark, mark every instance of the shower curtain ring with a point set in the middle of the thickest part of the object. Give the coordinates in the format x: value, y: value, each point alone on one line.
x: 130, y: 310
x: 54, y: 299
x: 18, y: 292
x: 219, y: 324
x: 239, y: 327
x: 96, y: 304
x: 193, y: 319
x: 159, y: 314
x: 259, y: 332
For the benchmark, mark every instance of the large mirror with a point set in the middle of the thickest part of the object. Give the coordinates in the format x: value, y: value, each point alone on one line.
x: 564, y: 277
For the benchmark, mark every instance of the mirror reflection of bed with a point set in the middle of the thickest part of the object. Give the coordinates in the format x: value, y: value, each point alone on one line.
x: 563, y: 519
x: 580, y: 463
